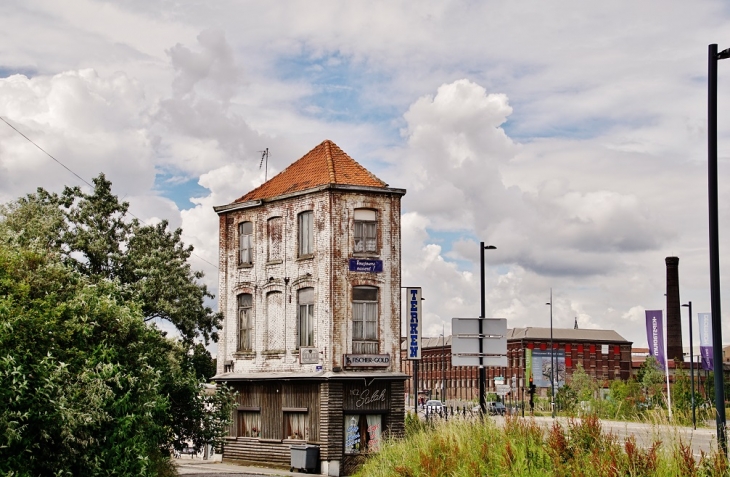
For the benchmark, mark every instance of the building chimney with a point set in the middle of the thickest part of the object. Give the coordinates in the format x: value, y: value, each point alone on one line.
x: 674, y: 320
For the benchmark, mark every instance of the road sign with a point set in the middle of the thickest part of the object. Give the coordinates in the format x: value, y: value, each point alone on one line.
x: 473, y: 360
x: 466, y: 338
x: 503, y: 388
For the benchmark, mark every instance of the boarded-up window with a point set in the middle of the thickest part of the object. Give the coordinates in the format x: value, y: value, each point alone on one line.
x: 245, y: 243
x: 275, y: 321
x: 305, y: 313
x: 366, y: 239
x: 274, y: 232
x: 244, y: 322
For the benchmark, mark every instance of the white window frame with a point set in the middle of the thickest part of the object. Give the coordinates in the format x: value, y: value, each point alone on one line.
x: 305, y: 232
x: 305, y: 317
x: 245, y: 243
x: 365, y: 231
x: 364, y: 315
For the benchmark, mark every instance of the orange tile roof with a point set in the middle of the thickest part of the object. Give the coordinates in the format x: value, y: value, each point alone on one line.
x: 325, y: 164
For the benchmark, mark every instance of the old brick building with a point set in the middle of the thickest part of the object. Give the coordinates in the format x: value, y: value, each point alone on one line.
x: 310, y: 292
x: 603, y: 354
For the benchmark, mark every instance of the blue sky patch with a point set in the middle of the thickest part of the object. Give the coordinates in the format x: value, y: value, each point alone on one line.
x: 179, y: 190
x: 343, y: 90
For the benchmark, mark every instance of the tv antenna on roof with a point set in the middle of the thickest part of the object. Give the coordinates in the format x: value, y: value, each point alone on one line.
x: 265, y: 157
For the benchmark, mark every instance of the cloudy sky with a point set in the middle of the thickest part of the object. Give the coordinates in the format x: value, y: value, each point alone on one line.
x: 571, y: 135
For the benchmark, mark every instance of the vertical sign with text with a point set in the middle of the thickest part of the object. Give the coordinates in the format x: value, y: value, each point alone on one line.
x: 655, y: 334
x: 413, y: 299
x: 706, y: 341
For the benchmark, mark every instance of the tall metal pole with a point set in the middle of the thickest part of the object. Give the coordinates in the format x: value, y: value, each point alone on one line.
x: 552, y: 357
x: 714, y: 243
x: 443, y: 364
x: 691, y: 366
x: 415, y: 385
x: 482, y: 315
x: 482, y: 371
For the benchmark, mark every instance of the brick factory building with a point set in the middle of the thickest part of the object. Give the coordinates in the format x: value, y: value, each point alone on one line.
x: 310, y: 293
x: 604, y: 355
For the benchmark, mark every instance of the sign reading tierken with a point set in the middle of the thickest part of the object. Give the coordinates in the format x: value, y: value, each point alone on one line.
x: 413, y: 295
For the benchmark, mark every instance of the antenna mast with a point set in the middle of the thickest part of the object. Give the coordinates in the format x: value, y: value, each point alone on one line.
x: 265, y: 157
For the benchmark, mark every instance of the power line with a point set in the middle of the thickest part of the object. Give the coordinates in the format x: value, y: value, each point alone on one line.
x: 46, y: 152
x: 84, y: 180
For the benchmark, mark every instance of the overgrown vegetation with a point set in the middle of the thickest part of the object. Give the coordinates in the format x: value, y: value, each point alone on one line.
x: 641, y: 398
x: 88, y: 385
x: 523, y: 448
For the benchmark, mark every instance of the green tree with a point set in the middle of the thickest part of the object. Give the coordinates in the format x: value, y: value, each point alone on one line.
x: 91, y: 388
x: 95, y: 235
x: 625, y: 398
x: 586, y: 387
x: 566, y: 398
x: 652, y: 378
x: 79, y: 374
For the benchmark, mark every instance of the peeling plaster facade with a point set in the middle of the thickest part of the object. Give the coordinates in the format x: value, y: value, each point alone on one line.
x: 298, y: 339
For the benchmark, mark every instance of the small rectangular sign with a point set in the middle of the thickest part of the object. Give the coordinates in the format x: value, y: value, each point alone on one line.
x: 413, y: 300
x: 308, y: 356
x: 466, y: 335
x: 473, y: 360
x: 367, y: 360
x: 366, y: 265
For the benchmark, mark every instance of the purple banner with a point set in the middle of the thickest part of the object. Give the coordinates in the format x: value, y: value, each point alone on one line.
x: 706, y: 340
x: 655, y: 335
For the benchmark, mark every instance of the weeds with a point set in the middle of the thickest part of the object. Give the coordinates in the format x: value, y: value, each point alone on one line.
x: 521, y: 447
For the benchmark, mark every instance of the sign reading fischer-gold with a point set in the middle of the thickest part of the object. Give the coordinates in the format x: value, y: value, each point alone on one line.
x: 367, y: 360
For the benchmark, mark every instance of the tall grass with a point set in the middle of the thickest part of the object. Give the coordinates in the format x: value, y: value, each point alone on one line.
x: 521, y: 447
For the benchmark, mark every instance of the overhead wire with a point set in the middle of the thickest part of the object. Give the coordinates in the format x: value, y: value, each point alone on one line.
x: 82, y: 179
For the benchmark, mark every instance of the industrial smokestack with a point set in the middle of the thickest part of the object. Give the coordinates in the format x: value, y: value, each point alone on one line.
x: 674, y: 320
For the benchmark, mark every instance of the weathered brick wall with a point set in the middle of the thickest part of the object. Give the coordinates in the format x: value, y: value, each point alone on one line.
x: 274, y: 284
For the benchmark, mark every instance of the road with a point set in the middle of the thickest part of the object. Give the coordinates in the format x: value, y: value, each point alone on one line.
x: 194, y: 467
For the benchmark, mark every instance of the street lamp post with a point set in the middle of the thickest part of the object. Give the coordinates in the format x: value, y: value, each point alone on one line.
x: 552, y: 357
x: 482, y: 371
x: 691, y: 366
x: 714, y: 56
x: 443, y: 364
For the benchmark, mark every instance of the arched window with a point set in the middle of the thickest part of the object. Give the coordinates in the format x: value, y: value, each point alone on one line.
x: 245, y: 243
x: 245, y: 323
x: 305, y: 317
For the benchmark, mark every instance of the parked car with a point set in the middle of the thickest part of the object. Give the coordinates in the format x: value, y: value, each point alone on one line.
x: 433, y: 406
x: 496, y: 408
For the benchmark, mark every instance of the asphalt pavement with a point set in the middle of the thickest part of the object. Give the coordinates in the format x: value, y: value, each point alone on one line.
x: 195, y: 466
